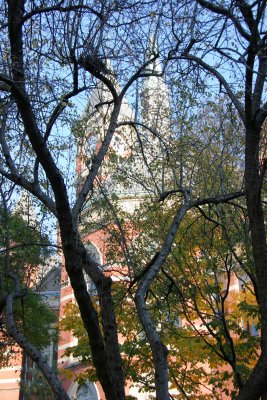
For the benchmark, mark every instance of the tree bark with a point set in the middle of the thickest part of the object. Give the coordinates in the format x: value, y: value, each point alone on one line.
x: 75, y: 258
x: 159, y: 350
x: 257, y: 382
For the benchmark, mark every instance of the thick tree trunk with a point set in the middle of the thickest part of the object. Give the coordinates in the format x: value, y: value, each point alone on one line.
x: 159, y: 350
x: 110, y: 334
x: 257, y: 383
x: 108, y: 371
x: 264, y: 395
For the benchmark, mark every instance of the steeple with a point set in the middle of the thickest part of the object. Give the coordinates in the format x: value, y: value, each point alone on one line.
x: 155, y: 111
x: 155, y: 96
x: 152, y: 52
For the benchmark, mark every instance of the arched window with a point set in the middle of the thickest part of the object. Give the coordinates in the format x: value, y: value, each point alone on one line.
x: 93, y: 252
x: 86, y: 391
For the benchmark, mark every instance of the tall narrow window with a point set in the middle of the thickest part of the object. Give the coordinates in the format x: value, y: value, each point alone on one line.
x: 94, y: 253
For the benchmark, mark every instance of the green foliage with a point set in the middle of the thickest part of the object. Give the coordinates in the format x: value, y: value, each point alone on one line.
x: 37, y: 388
x: 72, y: 321
x: 35, y: 320
x: 198, y: 317
x: 24, y: 248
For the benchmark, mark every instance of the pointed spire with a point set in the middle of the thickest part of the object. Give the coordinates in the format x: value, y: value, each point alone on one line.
x: 155, y: 94
x: 151, y: 52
